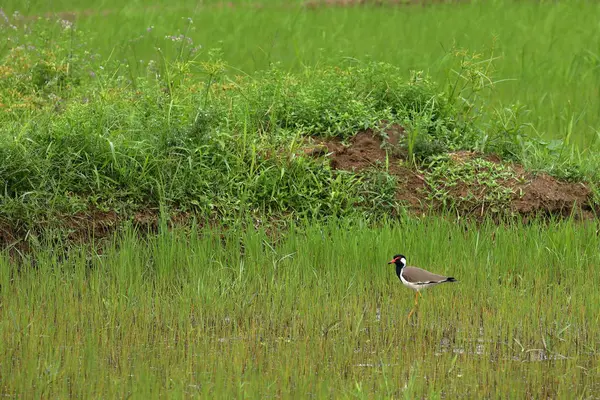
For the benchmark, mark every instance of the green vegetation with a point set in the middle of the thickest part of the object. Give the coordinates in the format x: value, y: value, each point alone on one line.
x: 190, y: 133
x: 478, y: 183
x: 312, y: 312
x: 247, y: 265
x: 547, y: 52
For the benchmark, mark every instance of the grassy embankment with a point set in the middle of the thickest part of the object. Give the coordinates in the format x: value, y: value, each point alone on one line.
x: 87, y: 134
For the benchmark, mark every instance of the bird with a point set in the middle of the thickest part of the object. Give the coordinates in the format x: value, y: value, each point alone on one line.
x: 416, y: 278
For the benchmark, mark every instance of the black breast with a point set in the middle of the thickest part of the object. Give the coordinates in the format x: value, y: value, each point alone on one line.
x: 399, y: 270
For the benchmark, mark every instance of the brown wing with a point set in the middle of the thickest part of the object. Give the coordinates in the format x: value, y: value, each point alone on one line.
x: 418, y: 275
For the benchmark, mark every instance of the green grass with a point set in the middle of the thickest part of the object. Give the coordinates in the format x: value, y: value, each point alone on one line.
x: 307, y: 312
x: 548, y: 51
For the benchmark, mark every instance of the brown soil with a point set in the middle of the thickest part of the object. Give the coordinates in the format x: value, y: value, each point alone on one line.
x: 99, y: 224
x: 369, y: 150
x: 547, y: 195
x: 534, y: 194
x: 87, y: 228
x: 365, y: 149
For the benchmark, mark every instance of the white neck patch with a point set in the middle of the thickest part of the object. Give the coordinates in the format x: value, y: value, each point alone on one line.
x: 403, y: 261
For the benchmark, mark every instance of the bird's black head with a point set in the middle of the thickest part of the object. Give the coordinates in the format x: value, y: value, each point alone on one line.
x: 399, y: 260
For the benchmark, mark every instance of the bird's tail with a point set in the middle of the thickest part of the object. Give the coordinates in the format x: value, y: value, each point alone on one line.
x: 450, y: 279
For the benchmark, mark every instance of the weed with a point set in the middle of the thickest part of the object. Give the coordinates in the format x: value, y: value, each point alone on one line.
x: 469, y: 184
x: 378, y: 192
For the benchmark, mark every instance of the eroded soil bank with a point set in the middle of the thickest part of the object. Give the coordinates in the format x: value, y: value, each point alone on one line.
x: 532, y: 194
x: 527, y: 194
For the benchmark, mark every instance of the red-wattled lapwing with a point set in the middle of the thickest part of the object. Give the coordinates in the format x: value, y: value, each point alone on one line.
x: 416, y: 278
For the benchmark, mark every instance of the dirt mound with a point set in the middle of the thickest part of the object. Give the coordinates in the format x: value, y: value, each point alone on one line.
x: 532, y: 194
x: 553, y: 197
x: 365, y: 149
x: 535, y: 194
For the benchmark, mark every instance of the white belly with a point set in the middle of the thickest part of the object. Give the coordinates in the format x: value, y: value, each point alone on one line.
x: 415, y: 286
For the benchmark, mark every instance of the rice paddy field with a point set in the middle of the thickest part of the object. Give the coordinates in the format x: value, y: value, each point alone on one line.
x: 315, y: 313
x: 200, y: 199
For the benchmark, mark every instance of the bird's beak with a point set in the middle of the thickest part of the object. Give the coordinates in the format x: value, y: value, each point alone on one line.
x: 393, y: 261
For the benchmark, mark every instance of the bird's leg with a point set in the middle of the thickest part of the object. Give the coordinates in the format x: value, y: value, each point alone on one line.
x: 417, y: 294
